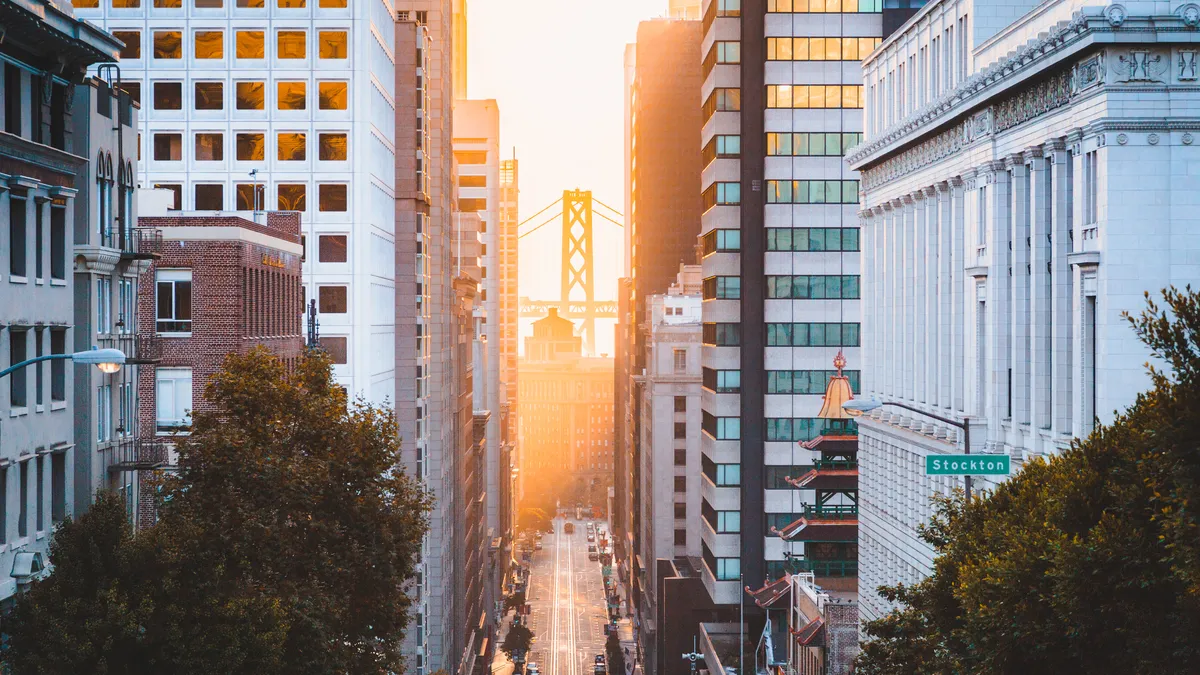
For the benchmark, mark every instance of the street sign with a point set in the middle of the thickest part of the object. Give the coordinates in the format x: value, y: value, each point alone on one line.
x: 967, y: 465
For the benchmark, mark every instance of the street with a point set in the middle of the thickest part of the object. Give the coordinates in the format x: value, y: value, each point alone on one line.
x: 567, y: 598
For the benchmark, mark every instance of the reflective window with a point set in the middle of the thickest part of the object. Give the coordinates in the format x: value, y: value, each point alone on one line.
x: 331, y: 197
x: 292, y: 196
x: 168, y: 44
x: 250, y: 196
x: 332, y: 4
x: 250, y: 44
x: 332, y: 44
x: 168, y: 96
x: 209, y: 96
x: 814, y: 96
x: 210, y: 197
x: 251, y: 4
x: 133, y: 43
x: 250, y: 147
x: 332, y: 95
x: 85, y: 4
x: 169, y: 4
x: 123, y: 4
x: 290, y: 44
x: 251, y: 95
x: 208, y: 4
x: 168, y: 147
x: 331, y: 248
x: 332, y: 147
x: 210, y: 44
x: 291, y: 147
x: 290, y: 95
x: 210, y: 147
x: 332, y: 299
x: 290, y: 4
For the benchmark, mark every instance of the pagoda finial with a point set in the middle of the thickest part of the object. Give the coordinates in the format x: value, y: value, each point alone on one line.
x: 839, y: 362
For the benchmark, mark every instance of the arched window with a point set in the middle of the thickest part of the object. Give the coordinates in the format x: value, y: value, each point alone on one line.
x: 125, y: 204
x: 101, y: 184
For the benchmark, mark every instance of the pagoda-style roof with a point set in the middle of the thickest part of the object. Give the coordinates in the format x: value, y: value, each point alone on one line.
x: 818, y: 528
x: 773, y: 595
x: 840, y: 476
x: 833, y: 444
x: 812, y: 634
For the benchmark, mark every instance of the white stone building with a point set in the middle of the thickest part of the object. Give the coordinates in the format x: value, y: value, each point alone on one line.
x: 1029, y: 171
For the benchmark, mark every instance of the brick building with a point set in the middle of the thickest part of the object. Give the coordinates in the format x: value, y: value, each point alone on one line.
x: 223, y: 284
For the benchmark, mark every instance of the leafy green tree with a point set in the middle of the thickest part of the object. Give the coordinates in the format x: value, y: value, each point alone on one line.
x: 517, y: 642
x: 1086, y: 562
x: 616, y: 655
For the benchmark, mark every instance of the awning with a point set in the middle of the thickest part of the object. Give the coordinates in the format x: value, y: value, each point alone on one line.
x: 772, y: 595
x: 811, y: 635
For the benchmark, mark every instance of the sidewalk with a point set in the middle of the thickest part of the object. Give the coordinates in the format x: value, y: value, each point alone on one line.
x: 500, y: 663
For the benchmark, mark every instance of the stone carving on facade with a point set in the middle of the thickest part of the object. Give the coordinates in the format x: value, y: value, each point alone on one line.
x: 1187, y: 65
x: 1087, y: 73
x: 47, y: 89
x: 1190, y: 13
x: 1187, y: 139
x: 1152, y: 139
x: 1140, y: 65
x: 1026, y: 105
x: 1116, y: 15
x: 1122, y: 139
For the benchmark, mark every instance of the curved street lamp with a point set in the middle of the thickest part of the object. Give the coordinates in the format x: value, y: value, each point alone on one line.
x: 107, y: 360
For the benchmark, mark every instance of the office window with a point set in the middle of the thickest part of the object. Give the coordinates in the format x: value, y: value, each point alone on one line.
x: 722, y: 288
x: 250, y: 147
x: 168, y: 147
x: 722, y: 100
x: 332, y: 4
x: 806, y: 381
x: 251, y: 44
x: 472, y: 181
x: 251, y: 4
x: 471, y: 156
x: 813, y: 239
x: 290, y: 4
x: 251, y: 95
x: 18, y: 351
x: 168, y: 96
x: 471, y: 205
x: 722, y: 194
x: 208, y: 4
x: 331, y: 147
x: 681, y: 537
x: 728, y: 569
x: 814, y: 96
x: 168, y: 44
x: 722, y: 334
x: 210, y: 197
x: 680, y: 484
x: 292, y: 196
x: 290, y: 95
x: 173, y: 301
x: 85, y: 4
x: 210, y: 147
x: 104, y: 413
x: 173, y: 393
x: 680, y: 511
x: 812, y: 192
x: 168, y: 4
x: 332, y: 95
x: 729, y: 8
x: 824, y: 6
x: 126, y: 4
x: 680, y: 430
x: 290, y: 44
x: 133, y: 43
x: 720, y: 241
x: 680, y: 457
x: 209, y: 96
x: 331, y: 248
x: 332, y: 299
x: 210, y: 44
x: 134, y: 89
x: 680, y: 404
x: 290, y: 147
x: 331, y: 44
x: 336, y: 347
x: 820, y: 48
x: 58, y: 243
x: 250, y: 196
x: 58, y: 487
x: 814, y: 287
x: 58, y: 368
x: 811, y: 144
x: 680, y: 360
x: 812, y: 335
x: 331, y: 197
x: 721, y: 146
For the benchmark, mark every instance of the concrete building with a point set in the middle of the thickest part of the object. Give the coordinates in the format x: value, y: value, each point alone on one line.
x: 566, y: 416
x: 684, y: 9
x: 509, y: 329
x: 255, y: 106
x: 1023, y: 186
x: 823, y: 626
x: 221, y: 284
x: 43, y: 168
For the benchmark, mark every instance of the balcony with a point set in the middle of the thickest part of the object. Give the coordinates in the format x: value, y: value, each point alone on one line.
x: 142, y: 243
x: 138, y: 454
x: 139, y: 349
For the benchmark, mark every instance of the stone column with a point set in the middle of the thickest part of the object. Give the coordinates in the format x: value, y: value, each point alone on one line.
x: 1061, y: 282
x: 916, y: 293
x: 1039, y: 292
x: 869, y: 303
x: 955, y: 221
x: 997, y: 342
x: 5, y: 242
x: 891, y: 306
x: 1018, y: 279
x: 905, y: 304
x: 929, y: 273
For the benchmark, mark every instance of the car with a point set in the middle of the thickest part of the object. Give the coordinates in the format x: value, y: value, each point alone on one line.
x: 531, y: 668
x: 538, y: 546
x: 599, y: 659
x: 591, y: 537
x: 592, y: 555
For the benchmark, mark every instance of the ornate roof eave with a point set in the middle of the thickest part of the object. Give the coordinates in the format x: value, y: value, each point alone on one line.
x: 1067, y: 39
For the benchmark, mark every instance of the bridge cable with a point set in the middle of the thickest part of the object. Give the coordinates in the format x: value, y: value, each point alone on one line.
x: 535, y: 229
x: 597, y: 201
x: 547, y: 208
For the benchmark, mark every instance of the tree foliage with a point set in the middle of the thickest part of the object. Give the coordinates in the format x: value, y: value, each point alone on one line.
x: 616, y: 655
x: 1086, y: 562
x: 283, y: 545
x: 517, y: 642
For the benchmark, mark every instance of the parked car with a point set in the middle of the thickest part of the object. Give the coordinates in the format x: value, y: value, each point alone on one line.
x: 599, y: 659
x: 591, y: 537
x: 531, y: 668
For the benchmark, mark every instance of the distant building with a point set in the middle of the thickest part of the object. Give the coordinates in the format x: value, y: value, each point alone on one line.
x: 566, y: 410
x: 222, y: 285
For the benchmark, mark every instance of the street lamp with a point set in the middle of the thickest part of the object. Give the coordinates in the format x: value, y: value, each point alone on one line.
x: 107, y: 360
x: 857, y: 407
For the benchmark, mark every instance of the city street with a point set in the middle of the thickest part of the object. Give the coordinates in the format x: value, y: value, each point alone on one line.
x: 567, y: 598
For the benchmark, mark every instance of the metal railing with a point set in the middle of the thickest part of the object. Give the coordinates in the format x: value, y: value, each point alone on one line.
x: 138, y: 454
x: 825, y: 568
x: 832, y: 464
x: 142, y: 243
x: 831, y: 511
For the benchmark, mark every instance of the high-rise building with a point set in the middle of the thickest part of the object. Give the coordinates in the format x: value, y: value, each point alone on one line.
x: 257, y: 106
x: 1006, y: 232
x: 684, y: 9
x: 459, y: 41
x: 663, y: 76
x: 781, y: 103
x: 509, y: 329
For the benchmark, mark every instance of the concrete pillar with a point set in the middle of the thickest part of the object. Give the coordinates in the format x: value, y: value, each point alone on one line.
x: 929, y: 273
x: 915, y: 276
x: 1018, y: 279
x: 904, y: 270
x: 956, y: 222
x: 997, y: 342
x: 1061, y: 285
x: 943, y: 354
x: 1040, y: 292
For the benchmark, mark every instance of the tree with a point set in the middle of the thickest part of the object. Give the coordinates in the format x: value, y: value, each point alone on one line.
x: 517, y: 642
x: 284, y: 543
x: 514, y: 600
x: 616, y: 656
x: 1086, y: 562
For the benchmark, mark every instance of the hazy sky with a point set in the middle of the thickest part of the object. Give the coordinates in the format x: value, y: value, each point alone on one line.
x: 556, y: 69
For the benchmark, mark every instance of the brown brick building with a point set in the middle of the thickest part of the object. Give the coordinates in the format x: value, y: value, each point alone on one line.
x: 223, y: 284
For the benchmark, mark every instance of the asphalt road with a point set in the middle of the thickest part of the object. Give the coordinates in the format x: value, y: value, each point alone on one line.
x: 567, y: 598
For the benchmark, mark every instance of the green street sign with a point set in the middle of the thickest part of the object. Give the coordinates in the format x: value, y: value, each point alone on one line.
x: 967, y: 465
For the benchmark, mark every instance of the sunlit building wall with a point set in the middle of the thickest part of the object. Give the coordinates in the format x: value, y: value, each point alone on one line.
x: 509, y: 302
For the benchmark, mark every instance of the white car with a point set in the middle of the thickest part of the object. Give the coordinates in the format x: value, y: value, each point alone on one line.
x: 531, y: 668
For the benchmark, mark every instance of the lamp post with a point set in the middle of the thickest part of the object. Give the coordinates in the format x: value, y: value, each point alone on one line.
x: 857, y: 407
x: 107, y: 360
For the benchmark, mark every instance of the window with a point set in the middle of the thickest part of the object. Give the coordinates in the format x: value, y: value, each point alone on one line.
x: 471, y: 205
x: 802, y: 428
x: 722, y: 51
x: 103, y: 305
x: 173, y: 404
x: 728, y: 569
x: 290, y: 44
x: 332, y: 4
x: 806, y: 381
x: 58, y: 487
x: 722, y: 288
x: 168, y: 4
x: 471, y: 156
x: 17, y: 237
x: 331, y: 248
x: 814, y: 287
x: 127, y: 300
x: 680, y: 360
x: 728, y: 522
x: 210, y: 147
x: 722, y: 194
x: 331, y: 44
x: 681, y: 537
x: 134, y: 89
x: 250, y: 147
x: 210, y: 197
x: 250, y: 196
x: 291, y: 147
x: 722, y: 381
x: 58, y: 243
x: 210, y: 44
x: 168, y: 147
x: 335, y: 347
x: 825, y: 6
x: 680, y: 511
x: 290, y: 4
x: 209, y: 96
x: 251, y: 44
x: 680, y: 430
x: 722, y: 100
x: 1091, y: 187
x: 126, y: 4
x: 812, y: 192
x: 722, y: 145
x: 812, y: 334
x: 729, y: 7
x: 820, y: 48
x: 18, y: 351
x: 472, y: 181
x: 811, y: 144
x: 290, y: 95
x: 104, y: 413
x: 133, y: 43
x: 292, y: 196
x: 173, y: 301
x: 813, y: 239
x: 58, y: 367
x: 332, y: 299
x: 331, y: 147
x: 38, y: 242
x: 23, y: 509
x: 168, y: 44
x: 680, y: 404
x: 251, y: 4
x: 331, y: 197
x: 680, y: 457
x: 814, y: 96
x: 251, y: 95
x: 168, y: 96
x: 681, y: 484
x: 332, y: 95
x: 722, y: 334
x: 176, y: 194
x: 722, y: 428
x: 719, y: 241
x: 208, y: 4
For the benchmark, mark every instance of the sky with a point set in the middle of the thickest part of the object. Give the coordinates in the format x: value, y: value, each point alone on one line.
x: 556, y: 69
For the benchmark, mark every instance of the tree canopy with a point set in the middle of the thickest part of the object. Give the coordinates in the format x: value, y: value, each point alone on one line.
x: 284, y: 543
x: 1085, y: 562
